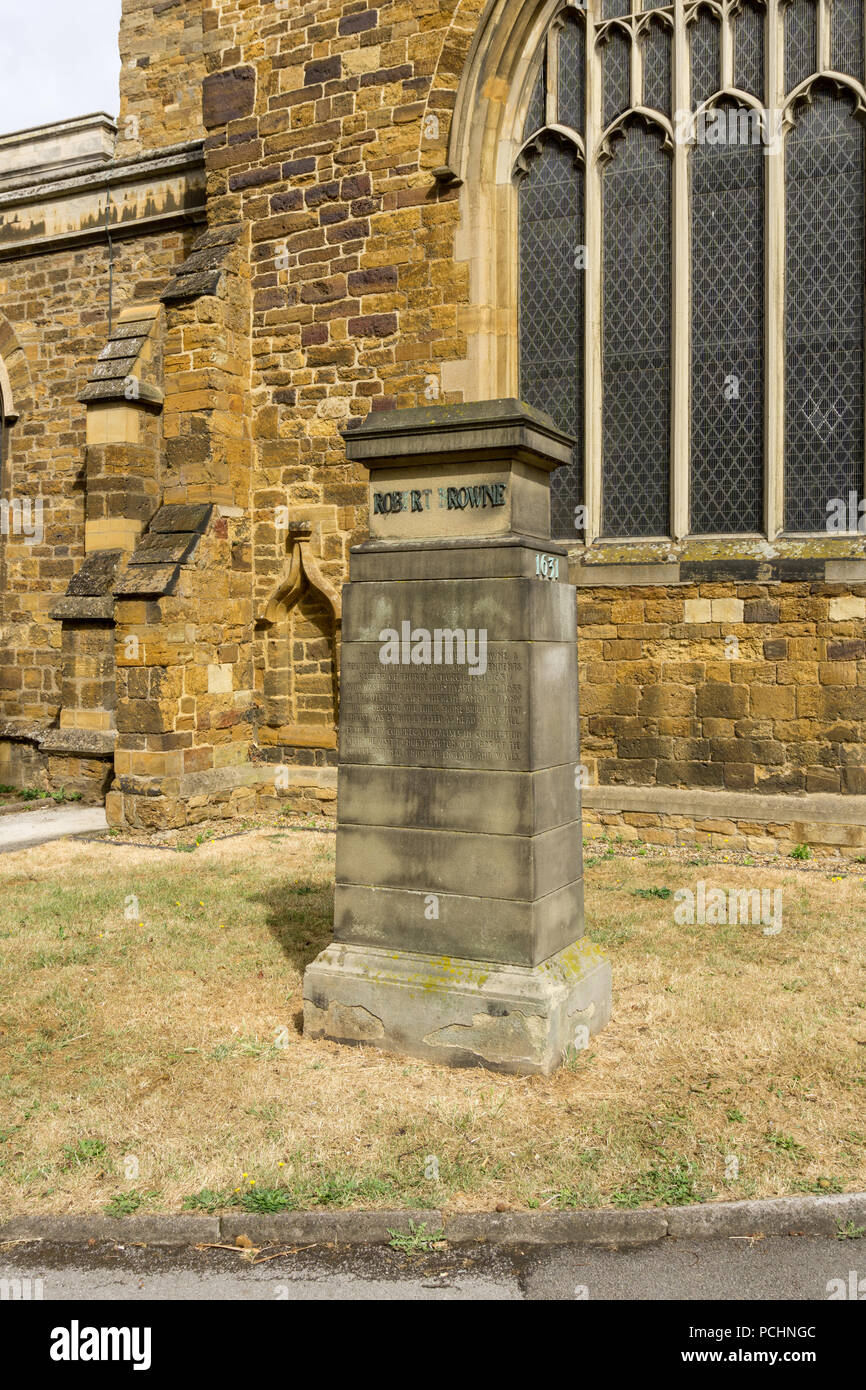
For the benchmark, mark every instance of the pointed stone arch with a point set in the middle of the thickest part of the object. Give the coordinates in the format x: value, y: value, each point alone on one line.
x: 15, y: 382
x: 299, y: 627
x: 499, y: 52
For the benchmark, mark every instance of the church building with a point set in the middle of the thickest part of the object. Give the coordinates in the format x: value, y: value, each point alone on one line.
x: 645, y: 220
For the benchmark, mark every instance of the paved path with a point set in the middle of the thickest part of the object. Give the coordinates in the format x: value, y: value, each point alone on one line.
x: 772, y: 1268
x: 20, y: 831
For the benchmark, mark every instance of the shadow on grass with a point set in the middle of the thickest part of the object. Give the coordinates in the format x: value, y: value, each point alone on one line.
x: 300, y: 916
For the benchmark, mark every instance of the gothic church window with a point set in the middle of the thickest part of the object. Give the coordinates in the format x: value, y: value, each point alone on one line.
x: 692, y: 270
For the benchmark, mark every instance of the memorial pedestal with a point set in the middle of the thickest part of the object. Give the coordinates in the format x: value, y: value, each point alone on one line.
x: 458, y: 931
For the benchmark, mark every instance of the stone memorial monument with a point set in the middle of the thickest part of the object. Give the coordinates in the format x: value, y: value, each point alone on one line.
x: 458, y: 920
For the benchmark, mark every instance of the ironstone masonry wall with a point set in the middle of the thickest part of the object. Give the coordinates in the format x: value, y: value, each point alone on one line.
x: 53, y: 325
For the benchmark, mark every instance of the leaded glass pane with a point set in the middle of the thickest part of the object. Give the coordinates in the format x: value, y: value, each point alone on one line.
x: 536, y: 116
x: 749, y: 51
x: 572, y: 75
x: 636, y: 326
x: 824, y: 168
x: 616, y: 69
x: 551, y: 309
x: 704, y: 49
x: 727, y: 212
x: 657, y: 68
x: 801, y: 41
x: 846, y: 38
x: 615, y: 9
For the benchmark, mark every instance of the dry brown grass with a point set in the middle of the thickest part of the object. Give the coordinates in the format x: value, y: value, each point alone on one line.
x: 158, y: 1038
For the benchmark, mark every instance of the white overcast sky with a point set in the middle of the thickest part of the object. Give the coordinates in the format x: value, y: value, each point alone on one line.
x: 58, y: 58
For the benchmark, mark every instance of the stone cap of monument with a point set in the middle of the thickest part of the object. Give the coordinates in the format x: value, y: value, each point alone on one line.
x: 476, y: 430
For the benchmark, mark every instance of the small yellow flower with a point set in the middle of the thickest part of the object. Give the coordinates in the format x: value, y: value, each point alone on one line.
x: 252, y: 1182
x: 281, y: 1165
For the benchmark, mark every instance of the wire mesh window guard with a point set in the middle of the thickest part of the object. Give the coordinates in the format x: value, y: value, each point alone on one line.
x: 657, y: 67
x: 823, y: 311
x: 801, y: 41
x: 572, y: 76
x: 727, y: 218
x: 749, y: 51
x: 552, y: 307
x: 636, y: 330
x: 722, y: 462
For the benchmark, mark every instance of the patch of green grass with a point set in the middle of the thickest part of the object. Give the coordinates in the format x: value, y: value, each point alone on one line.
x: 736, y: 1117
x: 608, y: 936
x: 341, y: 1190
x: 663, y: 1187
x: 207, y: 1200
x: 267, y: 1199
x: 417, y: 1239
x: 653, y: 892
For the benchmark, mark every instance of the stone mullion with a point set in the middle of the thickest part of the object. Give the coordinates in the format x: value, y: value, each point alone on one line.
x: 823, y: 35
x: 593, y: 441
x: 680, y: 289
x: 636, y: 68
x: 774, y: 279
x: 551, y: 74
x: 727, y: 48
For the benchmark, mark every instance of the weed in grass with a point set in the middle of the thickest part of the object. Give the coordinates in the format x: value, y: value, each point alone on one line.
x: 663, y: 1187
x: 736, y: 1117
x: 84, y: 1151
x: 575, y: 1198
x: 418, y: 1239
x: 125, y: 1203
x: 573, y: 1056
x: 784, y: 1144
x: 653, y: 892
x: 267, y: 1200
x: 801, y: 852
x: 243, y: 1047
x: 821, y: 1186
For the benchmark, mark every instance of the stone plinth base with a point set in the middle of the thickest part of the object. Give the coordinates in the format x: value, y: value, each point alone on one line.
x: 462, y: 1012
